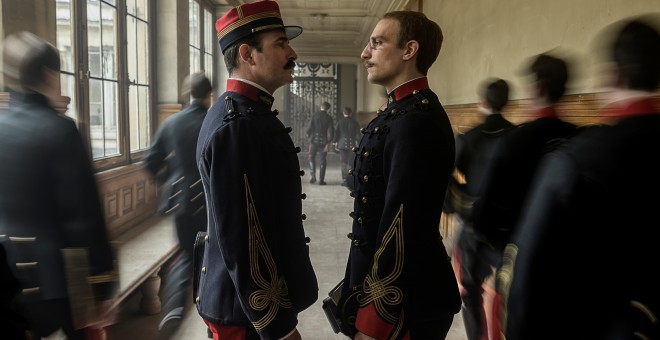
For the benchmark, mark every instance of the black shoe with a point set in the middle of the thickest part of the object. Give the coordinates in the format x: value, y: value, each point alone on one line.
x: 322, y: 183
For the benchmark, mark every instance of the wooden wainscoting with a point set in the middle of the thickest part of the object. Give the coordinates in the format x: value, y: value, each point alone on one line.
x: 129, y: 196
x: 579, y: 109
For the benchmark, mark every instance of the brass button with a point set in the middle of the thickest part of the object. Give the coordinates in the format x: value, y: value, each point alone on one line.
x: 352, y: 194
x: 297, y: 149
x: 350, y: 172
x: 366, y: 154
x: 363, y: 130
x: 364, y: 199
x: 203, y: 270
x: 276, y: 112
x: 360, y: 220
x: 376, y: 129
x: 206, y: 238
x: 356, y: 243
x: 350, y: 235
x: 425, y: 101
x: 415, y: 91
x: 393, y: 110
x: 303, y: 195
x: 302, y: 173
x: 307, y: 239
x: 354, y: 149
x: 197, y: 299
x: 289, y: 129
x: 366, y: 178
x: 303, y: 216
x: 352, y: 214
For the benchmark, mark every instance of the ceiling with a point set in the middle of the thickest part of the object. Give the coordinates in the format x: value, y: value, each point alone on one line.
x: 333, y: 30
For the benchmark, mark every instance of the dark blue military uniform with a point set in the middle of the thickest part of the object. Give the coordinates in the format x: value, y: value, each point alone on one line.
x: 49, y: 201
x: 347, y: 136
x: 171, y: 158
x: 397, y: 259
x: 583, y: 261
x: 256, y: 270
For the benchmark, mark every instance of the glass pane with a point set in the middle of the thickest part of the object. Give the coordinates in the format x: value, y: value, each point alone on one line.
x: 139, y: 117
x: 194, y: 60
x: 142, y: 10
x: 109, y: 41
x: 208, y: 65
x: 142, y: 52
x: 104, y: 132
x: 209, y: 28
x: 94, y: 37
x: 110, y: 2
x: 68, y: 82
x: 194, y: 23
x: 131, y: 48
x: 64, y: 34
x: 110, y: 118
x: 131, y: 7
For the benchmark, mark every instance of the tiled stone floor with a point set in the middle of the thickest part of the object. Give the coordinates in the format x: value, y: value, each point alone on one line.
x: 327, y: 224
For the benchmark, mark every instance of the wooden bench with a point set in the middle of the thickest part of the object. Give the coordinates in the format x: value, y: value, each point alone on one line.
x: 140, y: 254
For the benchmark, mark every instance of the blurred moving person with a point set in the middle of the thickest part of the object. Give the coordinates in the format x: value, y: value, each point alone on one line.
x: 347, y: 136
x: 49, y: 201
x: 171, y: 160
x: 583, y: 261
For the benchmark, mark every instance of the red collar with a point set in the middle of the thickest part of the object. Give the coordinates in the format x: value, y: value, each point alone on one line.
x: 407, y: 89
x: 620, y: 109
x: 247, y: 90
x: 547, y: 112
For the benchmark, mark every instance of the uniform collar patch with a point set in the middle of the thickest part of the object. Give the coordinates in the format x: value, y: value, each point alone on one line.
x: 406, y: 89
x: 249, y: 91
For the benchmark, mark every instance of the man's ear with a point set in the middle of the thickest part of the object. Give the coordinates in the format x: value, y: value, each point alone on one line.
x: 411, y: 49
x: 245, y: 51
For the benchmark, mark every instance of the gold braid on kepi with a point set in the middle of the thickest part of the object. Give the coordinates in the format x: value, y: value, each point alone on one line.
x: 251, y: 18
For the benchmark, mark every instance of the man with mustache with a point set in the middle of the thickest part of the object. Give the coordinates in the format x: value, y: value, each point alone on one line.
x: 255, y: 274
x: 398, y: 269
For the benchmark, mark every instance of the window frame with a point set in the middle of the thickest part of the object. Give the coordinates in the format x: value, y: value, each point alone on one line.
x: 82, y: 77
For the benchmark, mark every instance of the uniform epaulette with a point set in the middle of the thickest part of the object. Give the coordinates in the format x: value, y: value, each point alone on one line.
x: 229, y: 108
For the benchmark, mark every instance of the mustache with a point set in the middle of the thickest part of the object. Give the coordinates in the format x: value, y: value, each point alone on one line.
x: 290, y: 64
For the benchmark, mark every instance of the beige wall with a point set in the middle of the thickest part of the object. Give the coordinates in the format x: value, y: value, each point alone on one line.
x: 493, y: 38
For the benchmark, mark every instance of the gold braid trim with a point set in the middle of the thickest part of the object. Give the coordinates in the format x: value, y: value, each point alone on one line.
x: 274, y: 291
x: 505, y: 276
x: 381, y: 291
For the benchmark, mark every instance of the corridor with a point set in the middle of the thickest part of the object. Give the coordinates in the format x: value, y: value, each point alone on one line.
x: 327, y: 224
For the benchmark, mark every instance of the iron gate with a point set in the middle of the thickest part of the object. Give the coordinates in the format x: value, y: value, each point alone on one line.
x: 312, y: 85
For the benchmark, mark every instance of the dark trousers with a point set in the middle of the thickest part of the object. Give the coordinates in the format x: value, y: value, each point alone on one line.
x: 432, y: 330
x: 311, y: 156
x: 48, y: 316
x: 346, y: 157
x: 178, y: 275
x: 476, y: 257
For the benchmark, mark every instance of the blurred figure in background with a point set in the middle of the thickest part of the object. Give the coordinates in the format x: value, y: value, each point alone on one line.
x: 474, y: 254
x: 509, y: 171
x: 49, y: 201
x: 347, y: 136
x: 320, y: 132
x: 171, y: 160
x: 586, y: 242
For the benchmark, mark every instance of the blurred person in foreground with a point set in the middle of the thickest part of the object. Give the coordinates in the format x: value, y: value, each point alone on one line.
x: 473, y: 254
x: 171, y: 160
x: 256, y: 275
x: 49, y: 203
x: 583, y: 261
x: 347, y: 135
x: 398, y: 274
